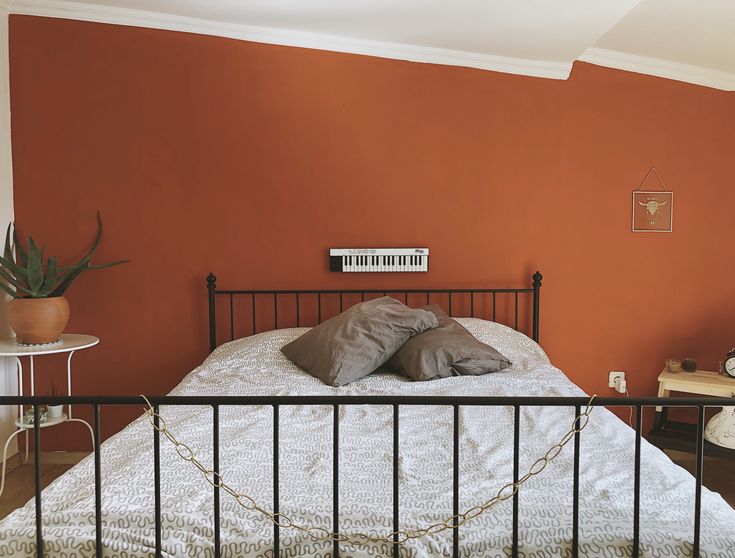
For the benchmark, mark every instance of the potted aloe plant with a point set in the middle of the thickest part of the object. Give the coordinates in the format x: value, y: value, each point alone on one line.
x: 39, y: 312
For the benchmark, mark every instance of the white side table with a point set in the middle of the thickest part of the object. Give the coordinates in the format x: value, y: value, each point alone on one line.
x: 69, y: 343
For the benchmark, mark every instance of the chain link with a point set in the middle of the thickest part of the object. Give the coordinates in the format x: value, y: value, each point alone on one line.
x: 355, y: 538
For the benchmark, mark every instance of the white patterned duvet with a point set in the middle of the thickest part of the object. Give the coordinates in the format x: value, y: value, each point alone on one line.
x: 255, y: 366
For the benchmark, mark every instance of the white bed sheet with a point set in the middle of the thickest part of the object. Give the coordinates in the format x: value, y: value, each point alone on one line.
x: 254, y: 365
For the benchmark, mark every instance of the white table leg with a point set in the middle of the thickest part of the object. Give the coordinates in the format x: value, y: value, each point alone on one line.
x: 68, y: 391
x: 89, y: 426
x: 5, y: 456
x: 68, y: 382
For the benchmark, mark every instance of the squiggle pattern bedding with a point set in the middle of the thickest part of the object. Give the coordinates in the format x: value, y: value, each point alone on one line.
x: 255, y: 365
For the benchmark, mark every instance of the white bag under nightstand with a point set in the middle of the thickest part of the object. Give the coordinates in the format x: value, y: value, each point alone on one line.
x: 720, y: 429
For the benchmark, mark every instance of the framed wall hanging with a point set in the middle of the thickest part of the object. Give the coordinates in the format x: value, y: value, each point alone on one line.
x: 653, y: 210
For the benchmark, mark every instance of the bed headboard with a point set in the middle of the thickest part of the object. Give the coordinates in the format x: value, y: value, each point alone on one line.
x: 295, y: 308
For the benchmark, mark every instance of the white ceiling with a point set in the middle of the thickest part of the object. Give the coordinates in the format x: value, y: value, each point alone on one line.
x: 688, y: 40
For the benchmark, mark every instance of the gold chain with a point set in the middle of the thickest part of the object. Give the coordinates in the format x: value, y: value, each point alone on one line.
x: 395, y: 537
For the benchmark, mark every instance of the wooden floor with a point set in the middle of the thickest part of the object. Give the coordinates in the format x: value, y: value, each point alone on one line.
x: 19, y: 483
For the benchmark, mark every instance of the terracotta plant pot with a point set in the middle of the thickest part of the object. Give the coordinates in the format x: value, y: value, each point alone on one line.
x: 38, y: 320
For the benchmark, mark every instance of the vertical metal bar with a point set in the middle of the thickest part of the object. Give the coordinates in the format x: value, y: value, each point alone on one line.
x: 698, y: 480
x: 298, y: 311
x: 455, y: 484
x: 157, y: 479
x: 516, y: 314
x: 450, y: 304
x: 211, y: 289
x: 37, y: 467
x: 362, y: 297
x: 252, y: 299
x: 215, y: 466
x: 275, y: 310
x: 319, y: 308
x: 341, y: 302
x: 536, y: 303
x: 232, y: 320
x: 405, y: 298
x: 97, y: 484
x: 516, y: 472
x: 276, y: 496
x: 494, y: 305
x: 335, y: 478
x: 637, y: 482
x: 472, y: 304
x: 575, y: 508
x: 396, y: 523
x: 427, y: 297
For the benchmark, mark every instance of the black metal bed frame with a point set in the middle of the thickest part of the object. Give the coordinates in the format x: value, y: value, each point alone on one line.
x: 297, y: 295
x: 577, y: 403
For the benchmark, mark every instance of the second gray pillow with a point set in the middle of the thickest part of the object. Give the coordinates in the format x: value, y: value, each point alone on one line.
x: 448, y: 350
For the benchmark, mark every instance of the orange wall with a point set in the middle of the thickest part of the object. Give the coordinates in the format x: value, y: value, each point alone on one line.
x: 208, y: 154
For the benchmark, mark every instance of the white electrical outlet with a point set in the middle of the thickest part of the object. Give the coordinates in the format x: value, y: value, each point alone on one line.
x: 613, y: 375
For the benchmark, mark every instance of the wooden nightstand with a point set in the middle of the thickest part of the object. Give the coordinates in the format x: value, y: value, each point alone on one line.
x: 681, y: 436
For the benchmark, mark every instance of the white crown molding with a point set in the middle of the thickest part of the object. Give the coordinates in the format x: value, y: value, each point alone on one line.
x: 285, y: 37
x: 5, y: 5
x: 661, y: 68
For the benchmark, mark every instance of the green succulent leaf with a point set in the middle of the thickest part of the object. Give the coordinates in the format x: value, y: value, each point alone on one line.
x: 8, y: 250
x: 19, y: 250
x: 52, y: 278
x: 13, y: 282
x: 13, y: 268
x: 35, y: 266
x: 106, y: 265
x: 68, y: 278
x: 8, y: 290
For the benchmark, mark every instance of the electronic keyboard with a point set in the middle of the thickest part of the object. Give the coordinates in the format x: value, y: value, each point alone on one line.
x: 378, y: 260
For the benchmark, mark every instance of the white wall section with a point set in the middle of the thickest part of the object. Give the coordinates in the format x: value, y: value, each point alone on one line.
x: 8, y: 381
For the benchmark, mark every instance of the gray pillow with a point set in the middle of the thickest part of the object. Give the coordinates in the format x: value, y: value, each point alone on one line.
x: 356, y: 342
x: 448, y: 350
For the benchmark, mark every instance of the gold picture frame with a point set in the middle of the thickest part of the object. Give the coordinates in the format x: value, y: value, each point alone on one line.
x: 653, y: 211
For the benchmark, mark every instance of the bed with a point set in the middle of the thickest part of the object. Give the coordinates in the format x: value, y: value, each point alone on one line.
x: 254, y: 365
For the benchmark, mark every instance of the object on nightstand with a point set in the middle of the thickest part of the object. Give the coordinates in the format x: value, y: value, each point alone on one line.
x: 55, y: 411
x: 673, y: 364
x: 689, y: 364
x: 28, y: 418
x: 720, y: 429
x: 728, y: 366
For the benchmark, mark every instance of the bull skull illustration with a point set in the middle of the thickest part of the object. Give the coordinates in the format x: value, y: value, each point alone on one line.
x: 652, y: 206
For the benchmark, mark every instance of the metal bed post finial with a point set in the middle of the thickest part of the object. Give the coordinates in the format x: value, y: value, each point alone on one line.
x: 212, y: 288
x: 537, y: 277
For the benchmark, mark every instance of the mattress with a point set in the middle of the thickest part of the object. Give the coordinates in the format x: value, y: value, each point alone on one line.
x: 255, y: 366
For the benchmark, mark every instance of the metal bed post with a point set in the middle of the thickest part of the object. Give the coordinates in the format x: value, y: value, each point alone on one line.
x: 396, y: 550
x: 157, y: 479
x: 698, y: 479
x: 575, y: 502
x: 276, y: 498
x: 217, y: 479
x: 37, y: 467
x: 537, y: 277
x: 211, y: 288
x: 516, y: 472
x: 455, y: 484
x: 335, y: 479
x: 97, y: 484
x: 637, y: 481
